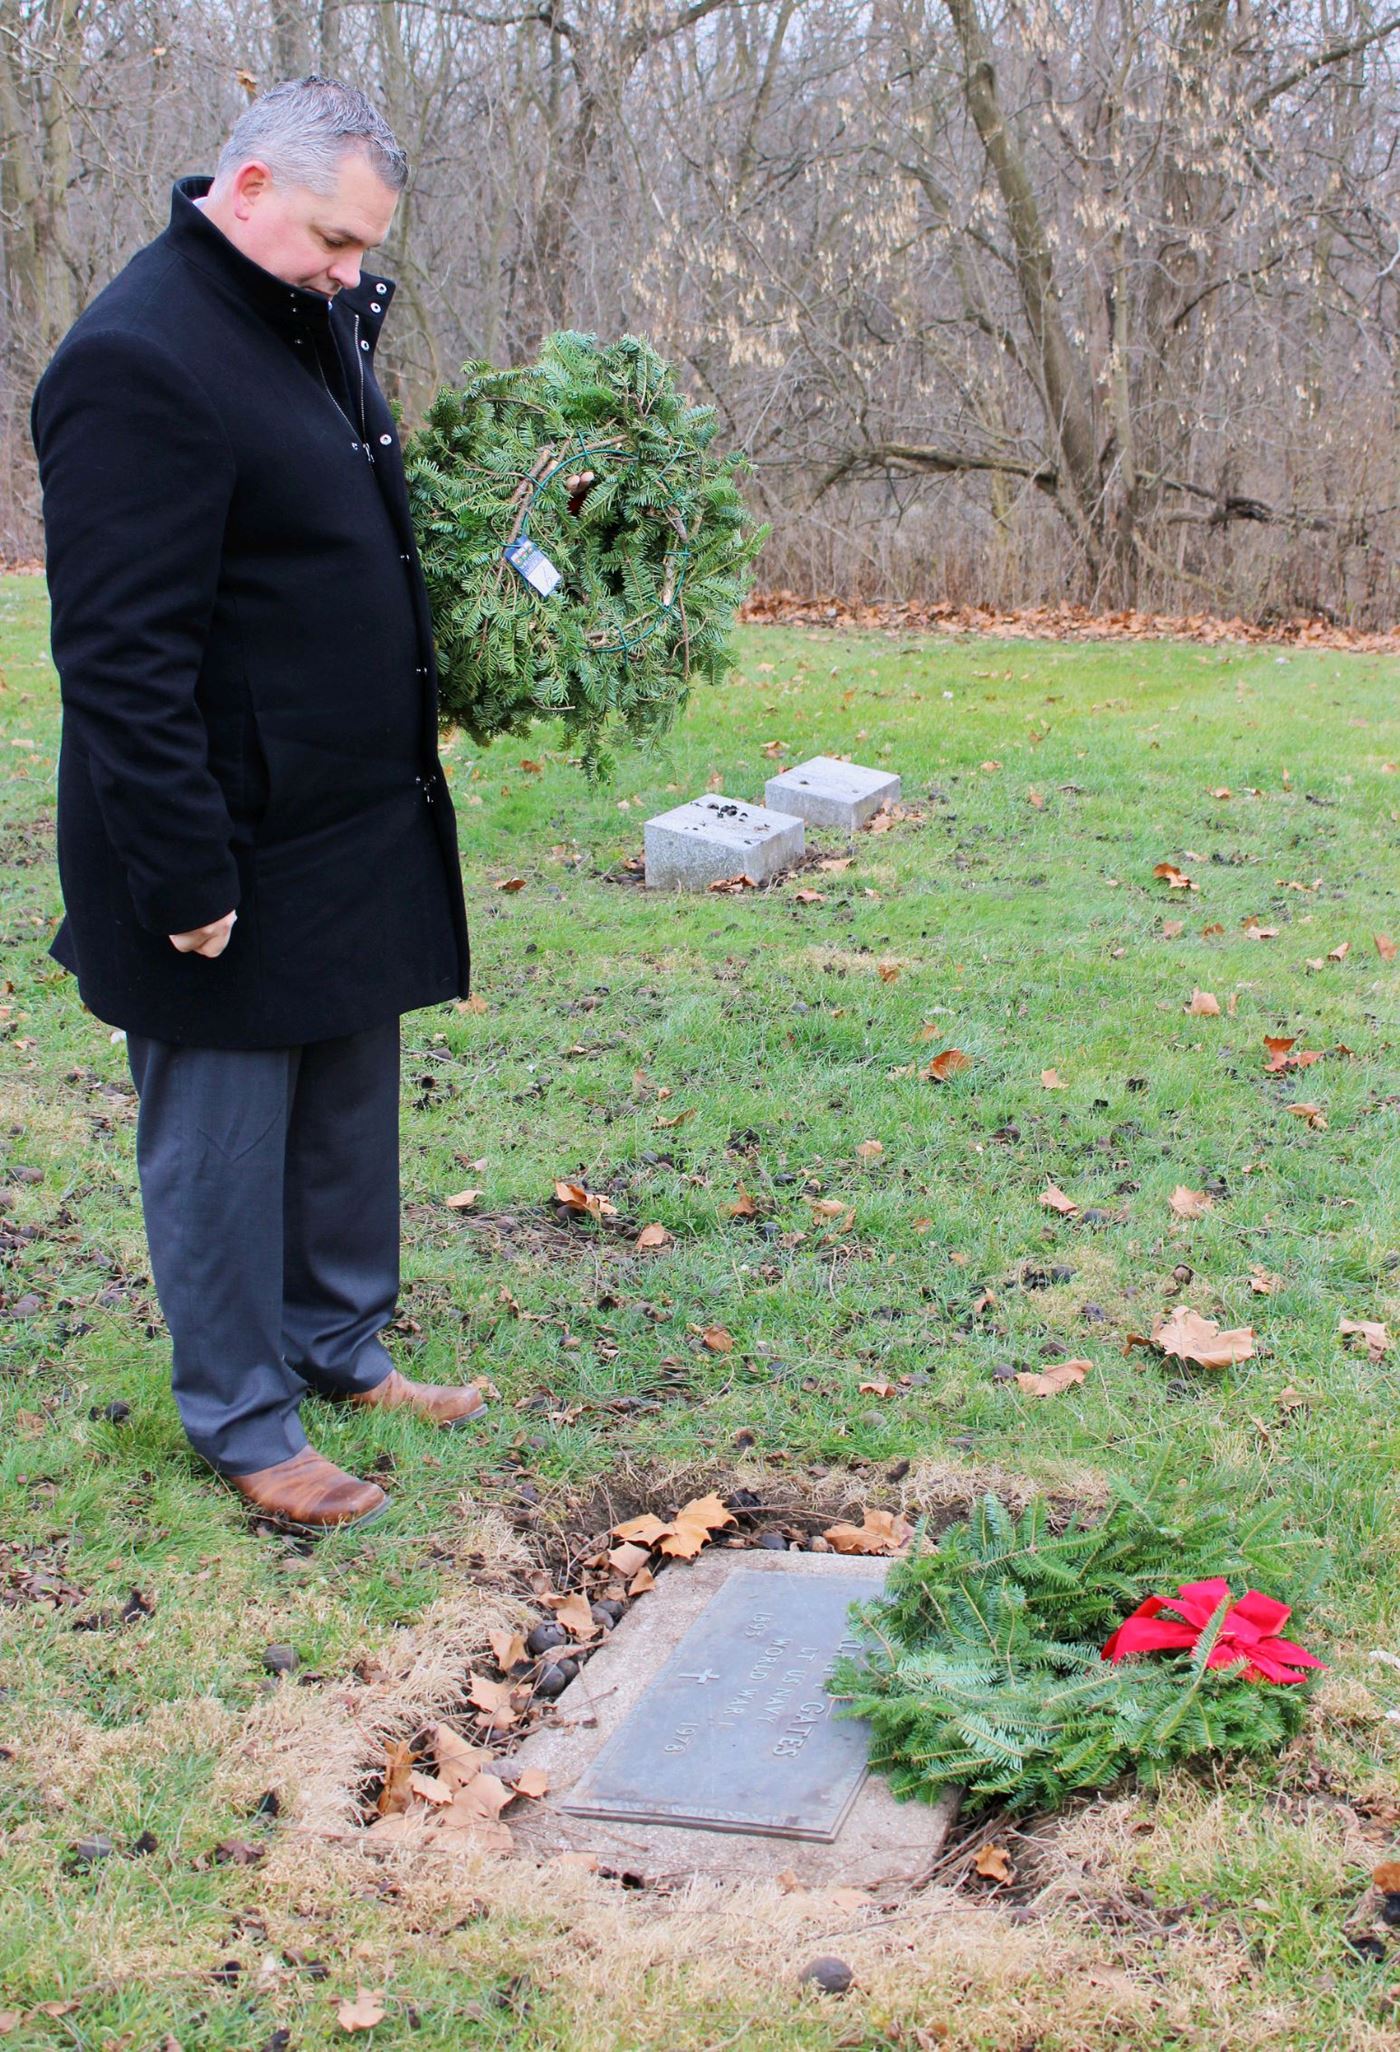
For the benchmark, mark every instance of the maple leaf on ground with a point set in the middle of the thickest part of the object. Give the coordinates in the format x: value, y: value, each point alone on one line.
x: 1173, y: 929
x: 1313, y: 1113
x: 1190, y: 1203
x: 1052, y: 1080
x: 463, y: 1201
x: 1174, y: 878
x: 810, y: 897
x: 1054, y: 1199
x: 993, y: 1863
x: 364, y: 2012
x: 574, y: 1614
x: 1281, y: 1055
x: 652, y: 1236
x: 946, y: 1064
x: 511, y: 883
x: 1263, y: 1283
x: 431, y: 1788
x: 1203, y: 1004
x: 1371, y: 1332
x: 879, y: 1531
x: 493, y: 1700
x: 870, y: 1150
x: 743, y: 1206
x: 1050, y: 1381
x: 879, y: 1389
x: 1254, y: 931
x: 1186, y: 1336
x: 718, y: 1339
x: 1340, y: 952
x: 508, y: 1648
x: 1386, y: 948
x: 532, y: 1782
x: 888, y: 970
x: 643, y: 1531
x: 694, y: 1525
x: 628, y: 1557
x: 458, y: 1760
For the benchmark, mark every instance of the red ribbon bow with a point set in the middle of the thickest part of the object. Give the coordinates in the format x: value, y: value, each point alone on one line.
x: 1249, y: 1632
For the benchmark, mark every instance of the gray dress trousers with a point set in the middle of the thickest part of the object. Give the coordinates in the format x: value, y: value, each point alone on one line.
x: 270, y: 1187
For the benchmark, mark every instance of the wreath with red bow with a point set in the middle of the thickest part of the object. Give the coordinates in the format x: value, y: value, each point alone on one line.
x: 985, y: 1664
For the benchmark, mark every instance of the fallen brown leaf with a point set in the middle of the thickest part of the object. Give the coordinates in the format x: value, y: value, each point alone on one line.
x: 1371, y: 1332
x: 1340, y: 952
x: 645, y: 1530
x: 1386, y: 948
x: 810, y: 897
x: 1173, y: 929
x: 574, y: 1197
x: 532, y: 1782
x: 1190, y: 1203
x: 508, y: 1648
x: 869, y: 1150
x: 1174, y: 878
x: 364, y: 2012
x: 652, y: 1236
x: 1186, y: 1336
x: 574, y: 1614
x: 1263, y: 1284
x: 946, y: 1064
x: 463, y: 1201
x: 993, y: 1863
x: 628, y: 1557
x: 511, y: 883
x: 1313, y: 1113
x: 1203, y: 1004
x: 1054, y: 1199
x: 694, y: 1525
x: 1050, y: 1381
x: 398, y: 1773
x: 1051, y: 1080
x: 718, y: 1339
x: 880, y: 1531
x: 888, y: 970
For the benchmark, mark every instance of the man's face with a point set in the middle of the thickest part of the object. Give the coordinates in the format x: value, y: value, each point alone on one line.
x: 303, y: 237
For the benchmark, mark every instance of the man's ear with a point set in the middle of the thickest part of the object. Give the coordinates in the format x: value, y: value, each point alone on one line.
x: 250, y: 182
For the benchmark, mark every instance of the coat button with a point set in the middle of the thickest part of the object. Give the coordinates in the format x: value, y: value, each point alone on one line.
x: 375, y: 307
x: 381, y: 288
x: 364, y: 345
x: 385, y: 441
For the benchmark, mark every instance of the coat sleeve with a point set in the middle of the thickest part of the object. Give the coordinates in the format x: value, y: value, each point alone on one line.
x: 137, y: 477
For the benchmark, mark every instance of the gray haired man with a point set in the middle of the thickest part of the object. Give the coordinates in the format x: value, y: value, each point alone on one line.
x: 256, y: 841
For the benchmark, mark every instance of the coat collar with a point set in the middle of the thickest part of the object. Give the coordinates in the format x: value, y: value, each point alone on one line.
x: 291, y: 306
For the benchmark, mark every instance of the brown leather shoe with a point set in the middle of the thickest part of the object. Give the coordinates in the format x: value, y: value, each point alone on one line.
x: 308, y: 1493
x: 425, y: 1399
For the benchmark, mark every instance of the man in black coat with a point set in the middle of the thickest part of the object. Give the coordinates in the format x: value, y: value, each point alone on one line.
x: 256, y: 844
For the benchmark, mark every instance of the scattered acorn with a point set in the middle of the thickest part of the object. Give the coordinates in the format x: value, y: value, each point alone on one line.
x: 605, y: 1612
x: 1367, y: 1947
x: 772, y: 1542
x: 281, y: 1659
x: 831, y: 1975
x: 544, y: 1638
x: 89, y: 1851
x: 1390, y: 1910
x: 555, y: 1679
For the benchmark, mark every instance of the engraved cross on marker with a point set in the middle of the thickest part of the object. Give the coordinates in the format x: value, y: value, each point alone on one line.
x: 706, y: 1675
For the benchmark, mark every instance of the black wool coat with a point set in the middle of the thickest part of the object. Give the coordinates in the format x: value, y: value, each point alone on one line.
x: 243, y: 641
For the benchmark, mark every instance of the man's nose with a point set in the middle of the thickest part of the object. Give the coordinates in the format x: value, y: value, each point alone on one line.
x: 345, y: 271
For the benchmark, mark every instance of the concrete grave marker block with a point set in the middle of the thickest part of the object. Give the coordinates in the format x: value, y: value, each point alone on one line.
x: 712, y: 838
x: 701, y: 1740
x: 826, y: 792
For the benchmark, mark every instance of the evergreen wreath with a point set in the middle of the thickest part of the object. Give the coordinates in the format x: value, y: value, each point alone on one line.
x: 985, y: 1666
x: 591, y: 455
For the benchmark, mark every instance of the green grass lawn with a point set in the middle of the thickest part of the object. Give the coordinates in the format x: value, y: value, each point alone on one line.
x: 671, y: 1054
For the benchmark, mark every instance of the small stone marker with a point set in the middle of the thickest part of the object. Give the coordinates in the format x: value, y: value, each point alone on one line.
x: 701, y: 1739
x: 826, y: 792
x: 713, y: 838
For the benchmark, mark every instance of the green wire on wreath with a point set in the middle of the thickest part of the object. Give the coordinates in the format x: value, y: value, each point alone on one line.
x: 585, y: 547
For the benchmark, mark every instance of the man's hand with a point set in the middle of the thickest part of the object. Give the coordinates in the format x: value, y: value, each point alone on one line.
x: 205, y: 940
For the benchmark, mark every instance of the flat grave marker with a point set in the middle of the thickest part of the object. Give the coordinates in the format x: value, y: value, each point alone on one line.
x: 700, y: 1740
